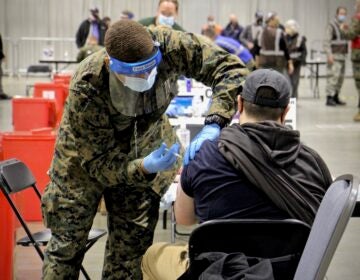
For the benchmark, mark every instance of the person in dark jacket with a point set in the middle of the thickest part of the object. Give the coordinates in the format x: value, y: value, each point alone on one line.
x: 3, y: 95
x: 93, y: 26
x: 233, y: 29
x: 256, y: 169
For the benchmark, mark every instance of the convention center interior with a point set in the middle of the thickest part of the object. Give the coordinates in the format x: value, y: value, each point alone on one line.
x: 179, y: 139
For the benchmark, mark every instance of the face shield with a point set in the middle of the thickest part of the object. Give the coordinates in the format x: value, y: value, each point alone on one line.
x: 130, y: 83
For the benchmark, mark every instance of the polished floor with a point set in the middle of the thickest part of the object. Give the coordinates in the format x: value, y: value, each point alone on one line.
x: 329, y: 130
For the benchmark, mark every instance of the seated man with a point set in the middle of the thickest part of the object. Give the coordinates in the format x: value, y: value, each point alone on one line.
x: 255, y: 169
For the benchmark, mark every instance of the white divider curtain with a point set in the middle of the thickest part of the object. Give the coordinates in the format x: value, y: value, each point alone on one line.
x: 60, y: 19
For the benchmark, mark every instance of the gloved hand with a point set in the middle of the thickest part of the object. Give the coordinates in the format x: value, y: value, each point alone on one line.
x: 174, y: 111
x: 161, y: 159
x: 209, y: 131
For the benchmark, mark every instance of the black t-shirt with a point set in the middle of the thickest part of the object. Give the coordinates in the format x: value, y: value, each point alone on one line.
x: 221, y: 192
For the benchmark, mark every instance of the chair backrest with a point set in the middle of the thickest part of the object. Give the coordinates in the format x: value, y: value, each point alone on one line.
x: 329, y: 225
x: 15, y: 176
x: 261, y: 238
x: 35, y: 69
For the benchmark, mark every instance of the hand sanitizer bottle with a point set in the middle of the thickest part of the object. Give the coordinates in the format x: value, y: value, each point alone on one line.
x: 183, y: 134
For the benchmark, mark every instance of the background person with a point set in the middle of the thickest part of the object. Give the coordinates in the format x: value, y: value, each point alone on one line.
x: 166, y: 15
x: 336, y: 48
x: 233, y: 29
x: 270, y: 49
x: 3, y: 95
x: 257, y: 169
x: 90, y: 47
x: 354, y: 35
x: 251, y: 31
x: 93, y: 26
x: 297, y: 48
x: 232, y: 46
x: 108, y: 142
x: 126, y: 14
x: 212, y: 24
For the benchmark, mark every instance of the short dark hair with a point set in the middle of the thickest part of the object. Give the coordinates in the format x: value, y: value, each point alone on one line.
x: 263, y: 113
x: 172, y: 1
x: 128, y: 41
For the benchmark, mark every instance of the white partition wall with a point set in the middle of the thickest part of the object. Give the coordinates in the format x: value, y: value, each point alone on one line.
x: 60, y: 19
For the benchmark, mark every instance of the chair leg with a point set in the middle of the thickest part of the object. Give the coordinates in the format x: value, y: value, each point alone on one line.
x: 87, y: 277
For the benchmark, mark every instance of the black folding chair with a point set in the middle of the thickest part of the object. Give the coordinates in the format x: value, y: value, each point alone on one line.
x: 283, y: 240
x: 15, y: 177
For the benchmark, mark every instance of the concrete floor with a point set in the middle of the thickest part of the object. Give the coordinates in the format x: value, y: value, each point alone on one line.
x: 329, y: 130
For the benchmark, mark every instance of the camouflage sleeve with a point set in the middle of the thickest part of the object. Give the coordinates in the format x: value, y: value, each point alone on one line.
x: 353, y: 31
x: 328, y: 39
x: 99, y: 151
x: 196, y: 57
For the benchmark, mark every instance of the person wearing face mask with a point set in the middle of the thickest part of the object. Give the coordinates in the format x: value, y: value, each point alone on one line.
x: 336, y: 48
x: 297, y: 48
x: 353, y: 33
x: 211, y: 24
x: 115, y: 141
x: 93, y: 26
x: 270, y: 48
x: 166, y: 15
x: 251, y: 31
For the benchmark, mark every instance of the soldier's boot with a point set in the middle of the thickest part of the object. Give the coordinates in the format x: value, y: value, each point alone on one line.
x: 330, y: 101
x: 337, y: 100
x: 357, y: 117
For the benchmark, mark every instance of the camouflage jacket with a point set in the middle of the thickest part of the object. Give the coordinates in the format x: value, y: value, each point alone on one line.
x: 96, y: 142
x: 353, y: 33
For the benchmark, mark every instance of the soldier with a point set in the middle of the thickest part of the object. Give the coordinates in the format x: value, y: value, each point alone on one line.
x: 354, y: 34
x: 297, y: 49
x: 113, y: 120
x: 271, y: 50
x: 336, y: 48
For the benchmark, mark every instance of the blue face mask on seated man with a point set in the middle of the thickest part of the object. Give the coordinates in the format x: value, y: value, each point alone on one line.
x: 164, y: 20
x: 136, y: 68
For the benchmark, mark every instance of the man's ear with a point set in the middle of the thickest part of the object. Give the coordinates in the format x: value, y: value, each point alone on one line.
x: 283, y: 115
x: 240, y: 103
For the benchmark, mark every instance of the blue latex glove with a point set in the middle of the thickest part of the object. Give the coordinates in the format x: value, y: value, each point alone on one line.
x: 161, y: 159
x: 208, y: 132
x: 174, y: 110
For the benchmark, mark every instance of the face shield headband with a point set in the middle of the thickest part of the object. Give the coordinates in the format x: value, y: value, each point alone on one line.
x: 140, y: 67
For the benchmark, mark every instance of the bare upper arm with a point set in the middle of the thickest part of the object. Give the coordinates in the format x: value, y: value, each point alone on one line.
x: 184, y: 208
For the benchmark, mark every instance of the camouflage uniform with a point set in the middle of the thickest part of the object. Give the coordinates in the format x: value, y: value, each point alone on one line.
x: 99, y: 151
x: 335, y: 44
x: 354, y: 34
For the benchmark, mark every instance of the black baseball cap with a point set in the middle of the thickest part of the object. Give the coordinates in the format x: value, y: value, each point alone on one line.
x: 267, y: 78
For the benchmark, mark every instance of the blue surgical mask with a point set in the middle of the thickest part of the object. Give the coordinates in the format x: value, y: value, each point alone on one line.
x: 341, y: 18
x: 163, y: 20
x: 140, y: 84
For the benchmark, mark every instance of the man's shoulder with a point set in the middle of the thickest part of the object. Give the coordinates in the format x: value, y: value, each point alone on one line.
x: 147, y: 21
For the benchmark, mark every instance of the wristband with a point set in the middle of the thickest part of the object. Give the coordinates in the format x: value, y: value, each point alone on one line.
x: 219, y: 120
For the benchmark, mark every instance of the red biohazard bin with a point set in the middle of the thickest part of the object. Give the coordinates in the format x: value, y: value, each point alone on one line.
x: 7, y: 239
x: 31, y: 113
x: 7, y: 233
x: 55, y: 91
x: 62, y: 78
x: 35, y: 149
